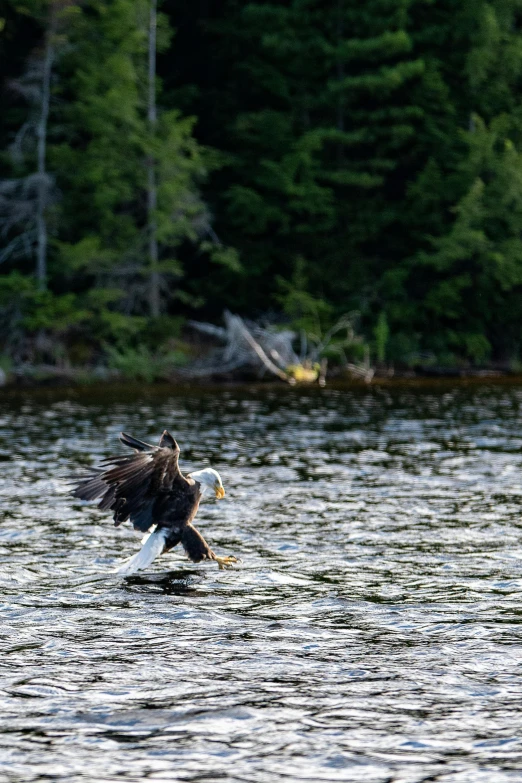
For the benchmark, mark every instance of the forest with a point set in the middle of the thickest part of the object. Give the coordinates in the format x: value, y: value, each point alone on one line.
x: 294, y: 162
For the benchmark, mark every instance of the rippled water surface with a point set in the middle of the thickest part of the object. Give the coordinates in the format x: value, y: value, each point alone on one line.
x: 372, y: 632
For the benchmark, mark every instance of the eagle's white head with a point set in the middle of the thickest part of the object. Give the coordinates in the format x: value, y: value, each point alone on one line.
x: 208, y: 477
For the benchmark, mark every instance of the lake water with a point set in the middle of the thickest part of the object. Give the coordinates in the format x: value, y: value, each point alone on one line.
x: 373, y: 631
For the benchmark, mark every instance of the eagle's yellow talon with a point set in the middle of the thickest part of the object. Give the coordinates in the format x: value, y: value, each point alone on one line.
x: 226, y: 562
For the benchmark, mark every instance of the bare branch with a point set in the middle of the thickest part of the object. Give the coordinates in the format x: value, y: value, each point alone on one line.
x: 215, y: 331
x: 18, y: 246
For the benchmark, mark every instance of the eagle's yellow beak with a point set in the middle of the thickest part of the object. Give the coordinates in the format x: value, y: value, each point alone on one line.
x: 220, y: 493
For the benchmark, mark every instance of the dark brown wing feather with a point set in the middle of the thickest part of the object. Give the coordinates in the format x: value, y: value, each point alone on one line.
x: 145, y: 487
x: 134, y: 443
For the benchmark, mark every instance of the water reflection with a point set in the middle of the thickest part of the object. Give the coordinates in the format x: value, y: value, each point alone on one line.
x: 372, y: 632
x: 180, y: 582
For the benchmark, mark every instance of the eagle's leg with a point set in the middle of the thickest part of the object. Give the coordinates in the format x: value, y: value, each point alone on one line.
x: 197, y: 548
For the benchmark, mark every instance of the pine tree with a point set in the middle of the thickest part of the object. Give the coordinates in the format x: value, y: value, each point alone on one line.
x: 321, y: 118
x: 134, y: 169
x: 473, y: 297
x: 467, y: 280
x: 366, y: 156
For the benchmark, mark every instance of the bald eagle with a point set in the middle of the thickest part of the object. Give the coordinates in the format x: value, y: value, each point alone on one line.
x: 148, y: 488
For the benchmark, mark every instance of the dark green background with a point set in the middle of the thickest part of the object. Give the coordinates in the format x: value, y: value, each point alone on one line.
x: 349, y: 156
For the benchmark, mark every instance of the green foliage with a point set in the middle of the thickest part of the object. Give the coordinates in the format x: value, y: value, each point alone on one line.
x: 318, y: 136
x: 381, y: 334
x: 475, y: 269
x: 143, y: 364
x: 105, y: 167
x: 86, y: 329
x: 6, y: 364
x: 226, y: 257
x: 307, y: 313
x: 337, y: 157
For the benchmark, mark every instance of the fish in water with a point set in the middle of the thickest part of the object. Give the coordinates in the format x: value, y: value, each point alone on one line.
x: 148, y: 488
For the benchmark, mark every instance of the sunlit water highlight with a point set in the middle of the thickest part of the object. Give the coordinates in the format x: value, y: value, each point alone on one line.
x: 372, y: 632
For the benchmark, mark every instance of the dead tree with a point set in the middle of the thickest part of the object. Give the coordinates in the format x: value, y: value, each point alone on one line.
x: 251, y: 347
x: 41, y: 136
x: 247, y: 346
x: 25, y: 201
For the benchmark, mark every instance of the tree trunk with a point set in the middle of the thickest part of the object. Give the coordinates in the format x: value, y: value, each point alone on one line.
x: 152, y: 196
x: 41, y: 134
x: 340, y: 77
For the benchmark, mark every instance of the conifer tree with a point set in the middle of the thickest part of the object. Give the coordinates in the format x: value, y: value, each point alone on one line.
x: 471, y: 272
x: 134, y: 168
x: 324, y: 116
x: 366, y: 156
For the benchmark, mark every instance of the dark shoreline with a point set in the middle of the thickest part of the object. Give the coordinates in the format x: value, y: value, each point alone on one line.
x: 120, y: 387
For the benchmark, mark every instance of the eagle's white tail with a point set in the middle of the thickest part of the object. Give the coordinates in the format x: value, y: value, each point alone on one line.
x: 152, y: 547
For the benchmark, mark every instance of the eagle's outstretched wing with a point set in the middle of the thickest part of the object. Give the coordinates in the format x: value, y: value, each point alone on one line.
x: 139, y: 486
